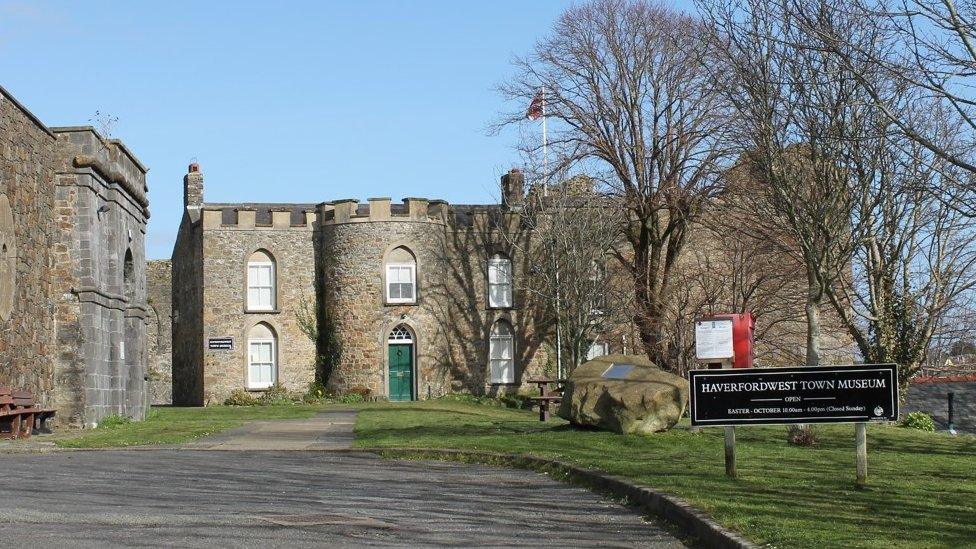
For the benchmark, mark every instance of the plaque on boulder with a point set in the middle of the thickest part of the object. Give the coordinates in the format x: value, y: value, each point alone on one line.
x: 625, y: 394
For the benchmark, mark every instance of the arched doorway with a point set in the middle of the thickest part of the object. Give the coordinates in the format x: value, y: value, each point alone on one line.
x: 400, y: 351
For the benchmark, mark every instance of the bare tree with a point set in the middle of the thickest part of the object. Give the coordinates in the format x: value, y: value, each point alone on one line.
x: 629, y: 98
x: 574, y: 230
x: 929, y: 47
x: 831, y: 132
x: 802, y: 118
x: 915, y: 261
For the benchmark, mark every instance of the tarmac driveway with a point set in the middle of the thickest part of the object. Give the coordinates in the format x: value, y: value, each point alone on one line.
x: 246, y: 498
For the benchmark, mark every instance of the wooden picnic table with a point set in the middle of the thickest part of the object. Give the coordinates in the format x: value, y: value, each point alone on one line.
x: 545, y: 382
x: 547, y: 397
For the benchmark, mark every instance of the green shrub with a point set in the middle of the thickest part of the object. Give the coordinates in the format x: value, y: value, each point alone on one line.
x: 350, y: 398
x: 364, y: 392
x: 918, y: 420
x: 276, y: 395
x: 113, y: 421
x: 802, y: 435
x: 517, y: 400
x: 240, y: 397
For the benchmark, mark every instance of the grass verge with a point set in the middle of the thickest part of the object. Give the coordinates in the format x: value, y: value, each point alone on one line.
x: 167, y: 425
x: 922, y: 486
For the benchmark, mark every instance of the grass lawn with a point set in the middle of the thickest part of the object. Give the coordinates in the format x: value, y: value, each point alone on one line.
x: 176, y: 425
x: 922, y: 485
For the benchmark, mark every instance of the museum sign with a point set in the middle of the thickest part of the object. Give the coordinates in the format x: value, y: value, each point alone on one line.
x: 829, y: 394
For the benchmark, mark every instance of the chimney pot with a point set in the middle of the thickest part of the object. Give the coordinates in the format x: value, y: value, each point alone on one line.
x: 194, y: 168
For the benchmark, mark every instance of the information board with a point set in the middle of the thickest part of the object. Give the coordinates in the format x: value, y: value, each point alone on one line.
x: 220, y: 344
x: 830, y: 394
x: 713, y: 339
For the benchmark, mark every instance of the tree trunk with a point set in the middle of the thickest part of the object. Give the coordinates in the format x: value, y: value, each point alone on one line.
x: 814, y: 299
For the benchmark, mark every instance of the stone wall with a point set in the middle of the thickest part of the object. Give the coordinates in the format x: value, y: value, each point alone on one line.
x: 930, y: 396
x: 159, y: 283
x: 27, y: 243
x: 450, y: 320
x: 187, y: 301
x: 102, y: 211
x: 226, y: 248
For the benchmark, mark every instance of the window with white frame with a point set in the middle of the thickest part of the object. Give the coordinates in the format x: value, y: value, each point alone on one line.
x: 401, y: 277
x: 597, y: 349
x: 262, y: 361
x: 501, y: 353
x: 260, y: 282
x: 499, y: 282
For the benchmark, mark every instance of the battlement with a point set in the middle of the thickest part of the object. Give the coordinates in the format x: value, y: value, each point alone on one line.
x: 296, y: 217
x: 417, y: 210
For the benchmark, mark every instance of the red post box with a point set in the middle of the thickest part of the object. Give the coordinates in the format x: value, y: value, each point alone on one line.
x: 743, y: 337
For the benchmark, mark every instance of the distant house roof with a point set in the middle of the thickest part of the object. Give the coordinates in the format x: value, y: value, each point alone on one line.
x: 961, y: 362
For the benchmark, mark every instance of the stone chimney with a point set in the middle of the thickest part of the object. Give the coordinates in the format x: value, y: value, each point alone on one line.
x: 193, y: 187
x: 513, y: 189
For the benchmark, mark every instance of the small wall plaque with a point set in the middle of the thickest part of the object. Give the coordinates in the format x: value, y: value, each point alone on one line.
x: 220, y: 344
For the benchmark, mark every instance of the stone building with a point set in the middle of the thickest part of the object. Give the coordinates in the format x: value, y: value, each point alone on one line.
x: 419, y: 294
x: 73, y: 212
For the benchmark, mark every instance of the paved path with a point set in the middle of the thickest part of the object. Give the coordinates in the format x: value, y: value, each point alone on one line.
x: 204, y: 498
x: 330, y: 430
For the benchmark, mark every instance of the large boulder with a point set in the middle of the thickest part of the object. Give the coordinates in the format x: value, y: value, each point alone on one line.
x: 624, y: 393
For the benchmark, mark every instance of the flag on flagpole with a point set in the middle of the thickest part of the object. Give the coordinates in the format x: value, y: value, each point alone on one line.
x: 537, y: 109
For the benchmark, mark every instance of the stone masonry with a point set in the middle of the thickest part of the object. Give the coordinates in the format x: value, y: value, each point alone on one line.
x: 159, y: 284
x: 74, y: 263
x: 27, y: 250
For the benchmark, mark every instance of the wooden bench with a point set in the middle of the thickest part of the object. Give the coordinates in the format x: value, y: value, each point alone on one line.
x: 547, y: 398
x: 19, y: 416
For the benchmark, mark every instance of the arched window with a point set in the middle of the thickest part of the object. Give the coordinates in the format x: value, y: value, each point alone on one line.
x: 501, y: 353
x: 400, y: 334
x: 401, y: 276
x: 128, y: 276
x: 262, y: 357
x: 261, y: 282
x: 499, y: 282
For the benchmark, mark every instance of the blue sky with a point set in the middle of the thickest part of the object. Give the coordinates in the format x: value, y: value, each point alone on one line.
x: 281, y: 101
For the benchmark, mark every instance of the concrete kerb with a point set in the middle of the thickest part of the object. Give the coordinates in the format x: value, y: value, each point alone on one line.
x: 687, y: 518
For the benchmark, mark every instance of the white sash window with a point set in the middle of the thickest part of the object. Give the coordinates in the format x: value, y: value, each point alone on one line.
x: 261, y: 363
x: 501, y: 354
x: 260, y: 282
x: 401, y: 283
x: 499, y: 282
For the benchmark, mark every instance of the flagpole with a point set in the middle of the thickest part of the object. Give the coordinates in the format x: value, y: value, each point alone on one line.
x: 545, y: 148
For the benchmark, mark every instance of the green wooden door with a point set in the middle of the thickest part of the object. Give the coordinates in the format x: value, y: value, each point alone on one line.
x: 401, y: 372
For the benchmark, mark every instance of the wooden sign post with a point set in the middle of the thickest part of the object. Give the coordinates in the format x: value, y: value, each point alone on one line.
x: 725, y: 341
x: 781, y: 396
x: 861, y: 441
x: 730, y: 469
